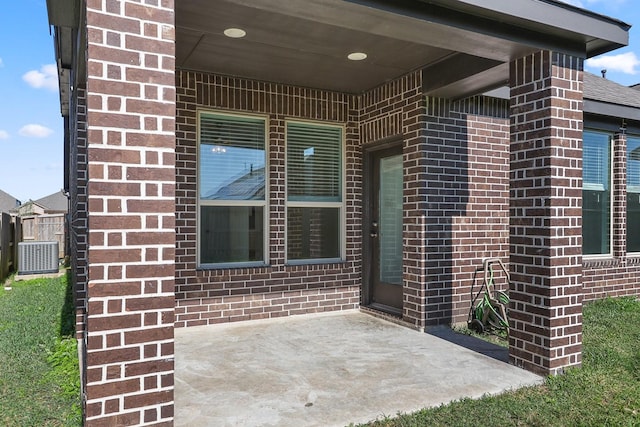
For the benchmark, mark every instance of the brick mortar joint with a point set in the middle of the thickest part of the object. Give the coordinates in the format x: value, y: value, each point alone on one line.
x: 103, y: 12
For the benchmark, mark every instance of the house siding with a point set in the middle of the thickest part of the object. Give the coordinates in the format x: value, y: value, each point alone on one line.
x: 467, y: 188
x: 611, y: 278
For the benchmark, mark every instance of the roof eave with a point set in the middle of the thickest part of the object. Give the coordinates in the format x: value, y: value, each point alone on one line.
x: 64, y: 16
x: 600, y: 33
x: 606, y: 109
x: 63, y: 13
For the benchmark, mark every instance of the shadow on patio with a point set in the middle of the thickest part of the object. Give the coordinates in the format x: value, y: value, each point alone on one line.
x: 324, y: 370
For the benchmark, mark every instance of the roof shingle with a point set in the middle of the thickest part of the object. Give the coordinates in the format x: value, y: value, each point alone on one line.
x: 600, y: 89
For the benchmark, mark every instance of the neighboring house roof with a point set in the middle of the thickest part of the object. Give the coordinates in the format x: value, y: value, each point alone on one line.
x: 54, y: 203
x: 30, y: 208
x: 8, y: 203
x: 601, y: 89
x: 607, y: 98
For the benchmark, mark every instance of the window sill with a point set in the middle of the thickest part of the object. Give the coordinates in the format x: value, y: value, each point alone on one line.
x: 595, y: 261
x: 231, y: 266
x: 633, y: 258
x: 316, y: 261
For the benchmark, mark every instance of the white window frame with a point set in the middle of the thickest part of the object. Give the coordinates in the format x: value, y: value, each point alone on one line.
x: 257, y: 203
x: 341, y: 205
x: 609, y: 254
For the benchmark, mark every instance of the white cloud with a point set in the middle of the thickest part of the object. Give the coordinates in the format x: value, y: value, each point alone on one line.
x: 35, y: 131
x: 4, y: 134
x: 627, y: 63
x: 1, y: 63
x: 46, y: 78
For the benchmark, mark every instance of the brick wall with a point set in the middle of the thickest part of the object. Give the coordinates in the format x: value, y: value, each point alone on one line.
x: 467, y: 183
x: 131, y: 205
x: 615, y: 277
x: 545, y: 211
x: 206, y: 296
x: 440, y: 138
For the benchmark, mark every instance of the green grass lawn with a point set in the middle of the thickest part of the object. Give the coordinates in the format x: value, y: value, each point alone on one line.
x: 604, y: 392
x: 39, y: 381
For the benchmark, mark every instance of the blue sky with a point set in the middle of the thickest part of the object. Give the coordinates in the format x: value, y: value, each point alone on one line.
x: 31, y: 135
x: 30, y: 123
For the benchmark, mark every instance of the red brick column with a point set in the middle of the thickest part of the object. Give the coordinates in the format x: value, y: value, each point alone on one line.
x: 545, y: 212
x: 619, y: 196
x: 131, y: 212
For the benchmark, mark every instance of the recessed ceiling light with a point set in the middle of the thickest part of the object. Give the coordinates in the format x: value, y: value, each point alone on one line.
x: 235, y: 33
x: 357, y: 56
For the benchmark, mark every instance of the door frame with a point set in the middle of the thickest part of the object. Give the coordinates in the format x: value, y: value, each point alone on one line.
x: 368, y: 152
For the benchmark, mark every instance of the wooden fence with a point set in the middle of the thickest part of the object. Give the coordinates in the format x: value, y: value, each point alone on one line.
x: 10, y: 234
x: 45, y: 228
x: 35, y: 228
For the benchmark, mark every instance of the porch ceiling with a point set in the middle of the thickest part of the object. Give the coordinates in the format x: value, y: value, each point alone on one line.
x: 306, y: 43
x: 292, y: 49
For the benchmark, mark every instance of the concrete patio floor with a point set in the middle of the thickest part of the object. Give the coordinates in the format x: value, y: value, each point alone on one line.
x: 324, y: 370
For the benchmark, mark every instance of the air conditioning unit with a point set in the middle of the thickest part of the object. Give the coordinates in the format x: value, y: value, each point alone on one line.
x: 37, y: 257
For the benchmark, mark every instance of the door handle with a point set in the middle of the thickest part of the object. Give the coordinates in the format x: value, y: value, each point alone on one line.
x: 374, y: 230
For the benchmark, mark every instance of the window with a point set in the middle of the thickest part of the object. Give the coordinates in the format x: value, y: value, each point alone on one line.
x: 633, y: 194
x: 596, y: 193
x: 231, y: 188
x: 314, y: 192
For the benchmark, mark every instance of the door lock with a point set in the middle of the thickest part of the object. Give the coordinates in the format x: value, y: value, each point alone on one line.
x: 374, y: 230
